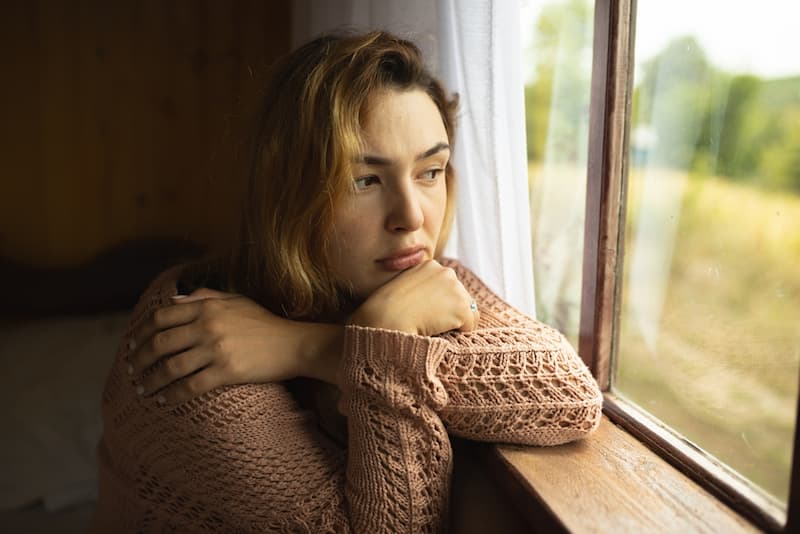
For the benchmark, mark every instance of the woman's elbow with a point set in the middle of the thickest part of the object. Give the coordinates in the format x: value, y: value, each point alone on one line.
x: 568, y: 419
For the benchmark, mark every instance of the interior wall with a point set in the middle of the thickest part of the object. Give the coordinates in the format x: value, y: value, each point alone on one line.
x: 126, y: 119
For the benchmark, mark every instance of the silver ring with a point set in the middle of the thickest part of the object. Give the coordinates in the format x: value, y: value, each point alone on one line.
x: 473, y: 306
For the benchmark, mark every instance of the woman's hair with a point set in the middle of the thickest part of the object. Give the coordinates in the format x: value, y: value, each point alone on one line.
x: 307, y: 137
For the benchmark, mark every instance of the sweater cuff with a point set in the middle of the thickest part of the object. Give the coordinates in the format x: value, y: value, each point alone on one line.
x: 393, y: 366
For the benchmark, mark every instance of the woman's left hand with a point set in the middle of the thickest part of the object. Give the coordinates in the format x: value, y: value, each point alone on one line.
x: 211, y: 338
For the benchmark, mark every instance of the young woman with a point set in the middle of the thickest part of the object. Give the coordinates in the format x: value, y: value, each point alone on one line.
x: 314, y: 389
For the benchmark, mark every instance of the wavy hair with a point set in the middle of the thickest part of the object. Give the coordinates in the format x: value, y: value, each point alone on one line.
x: 308, y: 135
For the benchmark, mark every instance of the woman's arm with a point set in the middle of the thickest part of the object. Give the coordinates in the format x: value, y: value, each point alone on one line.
x: 211, y: 338
x: 247, y: 458
x: 514, y: 379
x: 399, y: 455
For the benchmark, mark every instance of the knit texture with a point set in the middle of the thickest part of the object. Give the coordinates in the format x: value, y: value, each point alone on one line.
x: 250, y: 458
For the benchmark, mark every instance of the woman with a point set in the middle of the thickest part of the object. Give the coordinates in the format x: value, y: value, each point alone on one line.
x: 221, y: 409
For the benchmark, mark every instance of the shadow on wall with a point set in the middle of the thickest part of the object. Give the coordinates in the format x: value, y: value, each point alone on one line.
x: 113, y: 280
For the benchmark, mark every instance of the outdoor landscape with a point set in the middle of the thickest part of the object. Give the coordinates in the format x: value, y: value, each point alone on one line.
x: 708, y: 331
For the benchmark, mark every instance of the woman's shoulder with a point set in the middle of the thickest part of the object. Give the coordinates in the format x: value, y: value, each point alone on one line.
x: 180, y: 279
x: 157, y: 294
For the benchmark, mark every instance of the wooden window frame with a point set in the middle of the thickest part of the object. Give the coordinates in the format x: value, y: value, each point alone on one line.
x: 611, y: 94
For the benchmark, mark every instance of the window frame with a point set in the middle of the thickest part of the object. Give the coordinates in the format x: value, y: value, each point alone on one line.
x: 604, y: 228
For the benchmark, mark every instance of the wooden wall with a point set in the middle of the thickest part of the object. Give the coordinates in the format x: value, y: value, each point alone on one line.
x: 126, y: 119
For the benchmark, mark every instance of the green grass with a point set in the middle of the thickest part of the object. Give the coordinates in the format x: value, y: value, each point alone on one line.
x: 722, y: 368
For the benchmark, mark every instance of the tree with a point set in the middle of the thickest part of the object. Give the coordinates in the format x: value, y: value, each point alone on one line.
x: 557, y: 102
x: 779, y: 162
x: 736, y: 147
x: 674, y: 98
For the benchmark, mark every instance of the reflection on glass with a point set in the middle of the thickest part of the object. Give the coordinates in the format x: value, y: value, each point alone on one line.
x: 709, y: 339
x: 557, y: 91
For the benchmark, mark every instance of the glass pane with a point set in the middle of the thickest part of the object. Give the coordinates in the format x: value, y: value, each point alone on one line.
x: 709, y: 338
x: 558, y: 39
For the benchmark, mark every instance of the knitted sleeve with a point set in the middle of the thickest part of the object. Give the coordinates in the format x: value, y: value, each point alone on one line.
x: 248, y: 459
x: 400, y: 460
x: 514, y: 379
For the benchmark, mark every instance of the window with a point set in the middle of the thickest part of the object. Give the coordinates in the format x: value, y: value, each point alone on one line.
x: 557, y: 89
x: 685, y: 305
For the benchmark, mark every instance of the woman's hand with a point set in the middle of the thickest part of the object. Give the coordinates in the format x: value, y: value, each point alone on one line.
x: 428, y: 299
x: 211, y: 338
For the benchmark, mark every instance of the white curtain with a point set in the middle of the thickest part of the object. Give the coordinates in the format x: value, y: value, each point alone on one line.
x: 475, y: 47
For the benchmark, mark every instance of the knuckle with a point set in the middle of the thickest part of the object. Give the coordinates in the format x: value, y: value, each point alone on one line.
x: 160, y: 341
x: 212, y: 305
x: 192, y: 386
x: 173, y: 367
x: 225, y: 358
x: 213, y: 326
x: 159, y: 317
x: 220, y: 348
x: 229, y: 365
x: 449, y: 274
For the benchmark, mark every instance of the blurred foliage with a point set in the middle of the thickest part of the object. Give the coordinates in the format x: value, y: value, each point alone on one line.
x: 557, y: 101
x: 697, y: 117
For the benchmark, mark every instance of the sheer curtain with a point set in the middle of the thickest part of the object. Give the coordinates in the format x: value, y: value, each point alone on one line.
x: 475, y: 47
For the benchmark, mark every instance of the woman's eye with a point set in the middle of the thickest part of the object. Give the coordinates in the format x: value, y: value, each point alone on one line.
x: 365, y: 181
x: 431, y: 174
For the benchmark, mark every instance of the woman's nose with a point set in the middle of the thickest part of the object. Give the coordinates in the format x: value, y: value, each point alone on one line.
x: 405, y: 213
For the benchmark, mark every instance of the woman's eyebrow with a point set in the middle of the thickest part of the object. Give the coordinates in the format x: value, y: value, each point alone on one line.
x: 433, y: 150
x: 370, y: 159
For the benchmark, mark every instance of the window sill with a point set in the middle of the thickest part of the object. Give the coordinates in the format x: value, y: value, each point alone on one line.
x: 609, y: 482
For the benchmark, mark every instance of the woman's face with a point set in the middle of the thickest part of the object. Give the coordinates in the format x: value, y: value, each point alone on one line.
x: 392, y: 218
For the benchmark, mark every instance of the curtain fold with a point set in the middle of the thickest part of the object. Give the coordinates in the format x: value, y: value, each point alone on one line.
x: 475, y: 47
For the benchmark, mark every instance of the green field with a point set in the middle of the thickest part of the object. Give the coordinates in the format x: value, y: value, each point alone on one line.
x: 709, y: 339
x: 723, y: 368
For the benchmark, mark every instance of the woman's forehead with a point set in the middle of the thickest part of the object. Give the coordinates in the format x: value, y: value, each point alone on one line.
x: 402, y: 123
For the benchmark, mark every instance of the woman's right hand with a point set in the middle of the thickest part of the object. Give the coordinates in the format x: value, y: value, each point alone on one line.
x: 211, y: 339
x: 428, y: 299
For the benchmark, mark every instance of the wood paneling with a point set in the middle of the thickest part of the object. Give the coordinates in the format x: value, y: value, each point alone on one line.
x: 126, y: 119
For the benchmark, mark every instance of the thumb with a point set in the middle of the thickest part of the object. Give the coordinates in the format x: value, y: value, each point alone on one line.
x: 202, y: 293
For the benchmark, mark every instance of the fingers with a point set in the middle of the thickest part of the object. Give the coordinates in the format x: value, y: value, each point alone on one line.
x: 466, y: 307
x: 190, y: 387
x: 177, y: 336
x: 431, y: 299
x: 202, y: 294
x: 172, y: 369
x: 472, y: 317
x: 161, y: 319
x: 159, y: 336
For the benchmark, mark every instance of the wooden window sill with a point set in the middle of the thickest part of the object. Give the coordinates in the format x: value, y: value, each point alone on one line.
x: 608, y: 482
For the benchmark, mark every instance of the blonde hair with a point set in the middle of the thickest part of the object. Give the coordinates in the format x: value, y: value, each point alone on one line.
x: 307, y: 138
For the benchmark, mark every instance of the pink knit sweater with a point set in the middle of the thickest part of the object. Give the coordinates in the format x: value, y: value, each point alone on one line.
x: 250, y: 458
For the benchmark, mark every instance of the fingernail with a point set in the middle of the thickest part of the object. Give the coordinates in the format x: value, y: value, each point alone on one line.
x: 130, y: 369
x: 162, y: 400
x: 178, y: 297
x: 140, y: 390
x: 131, y: 345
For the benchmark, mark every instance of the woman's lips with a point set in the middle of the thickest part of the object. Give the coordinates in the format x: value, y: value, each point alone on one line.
x: 404, y: 260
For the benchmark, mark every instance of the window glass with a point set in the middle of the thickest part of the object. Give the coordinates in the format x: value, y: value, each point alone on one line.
x: 709, y: 336
x: 558, y: 37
